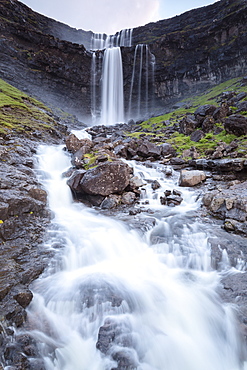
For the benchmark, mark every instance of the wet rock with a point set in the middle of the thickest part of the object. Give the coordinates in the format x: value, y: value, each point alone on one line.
x: 111, y: 201
x: 23, y: 296
x: 155, y: 185
x: 171, y: 198
x: 235, y: 226
x: 115, y: 340
x: 106, y: 178
x: 75, y: 180
x: 73, y: 144
x: 229, y: 204
x: 174, y: 200
x: 191, y: 178
x: 128, y: 198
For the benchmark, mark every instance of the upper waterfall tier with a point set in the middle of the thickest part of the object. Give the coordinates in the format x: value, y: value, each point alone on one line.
x: 102, y: 41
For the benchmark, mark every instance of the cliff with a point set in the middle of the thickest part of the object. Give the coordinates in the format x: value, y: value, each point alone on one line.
x: 192, y: 52
x: 197, y: 49
x: 35, y: 59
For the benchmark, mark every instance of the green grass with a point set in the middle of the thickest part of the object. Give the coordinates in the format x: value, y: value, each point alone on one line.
x: 211, y: 96
x: 210, y: 141
x: 21, y: 113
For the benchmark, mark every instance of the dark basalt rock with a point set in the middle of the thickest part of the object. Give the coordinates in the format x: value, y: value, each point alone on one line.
x: 236, y: 124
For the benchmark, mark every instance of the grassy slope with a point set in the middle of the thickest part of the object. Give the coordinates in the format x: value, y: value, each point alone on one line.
x: 210, y: 141
x: 20, y: 113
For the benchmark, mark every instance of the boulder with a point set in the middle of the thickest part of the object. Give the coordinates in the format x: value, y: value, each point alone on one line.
x: 236, y: 124
x: 105, y: 179
x: 73, y: 143
x: 197, y: 135
x: 205, y: 110
x: 191, y: 178
x: 167, y: 149
x: 148, y: 149
x: 187, y: 125
x: 75, y: 179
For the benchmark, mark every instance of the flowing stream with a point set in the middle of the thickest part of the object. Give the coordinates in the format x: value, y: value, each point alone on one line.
x: 115, y: 298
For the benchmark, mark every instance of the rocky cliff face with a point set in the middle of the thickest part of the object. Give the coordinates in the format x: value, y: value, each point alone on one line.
x: 198, y: 48
x: 192, y: 51
x: 36, y: 61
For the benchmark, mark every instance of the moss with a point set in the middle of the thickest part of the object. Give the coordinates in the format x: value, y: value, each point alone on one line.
x: 19, y: 112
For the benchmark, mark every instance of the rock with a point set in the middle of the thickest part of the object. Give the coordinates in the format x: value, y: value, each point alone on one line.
x: 221, y: 112
x: 106, y: 179
x: 174, y: 200
x: 85, y: 148
x: 111, y: 201
x: 73, y: 144
x: 236, y: 124
x: 187, y: 126
x: 208, y: 124
x: 148, y: 149
x: 75, y: 180
x: 135, y: 183
x: 128, y: 198
x: 167, y: 149
x: 242, y: 106
x: 23, y: 297
x: 197, y: 135
x: 121, y: 150
x: 163, y: 201
x: 191, y: 178
x: 229, y: 204
x: 155, y: 185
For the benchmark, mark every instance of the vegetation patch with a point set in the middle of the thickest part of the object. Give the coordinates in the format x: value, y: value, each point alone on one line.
x: 21, y: 113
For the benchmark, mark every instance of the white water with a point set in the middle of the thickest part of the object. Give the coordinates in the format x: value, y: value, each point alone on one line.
x: 170, y: 317
x: 143, y: 79
x: 112, y: 93
x: 112, y: 87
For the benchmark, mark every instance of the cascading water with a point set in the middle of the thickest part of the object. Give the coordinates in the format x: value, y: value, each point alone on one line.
x: 143, y: 79
x: 112, y: 87
x: 112, y: 94
x: 118, y: 300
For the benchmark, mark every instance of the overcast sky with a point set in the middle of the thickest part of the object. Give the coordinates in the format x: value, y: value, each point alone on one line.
x: 109, y: 16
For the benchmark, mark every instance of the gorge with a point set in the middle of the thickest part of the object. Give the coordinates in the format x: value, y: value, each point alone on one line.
x: 123, y: 212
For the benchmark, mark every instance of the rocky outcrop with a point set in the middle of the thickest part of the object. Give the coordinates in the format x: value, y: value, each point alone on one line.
x: 197, y: 49
x: 229, y: 204
x: 24, y: 218
x: 34, y: 60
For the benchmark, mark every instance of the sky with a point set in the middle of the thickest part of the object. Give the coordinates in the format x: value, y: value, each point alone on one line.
x: 110, y: 16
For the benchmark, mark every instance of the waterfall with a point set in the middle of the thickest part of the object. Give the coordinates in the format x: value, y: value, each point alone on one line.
x: 112, y: 94
x: 143, y: 78
x: 112, y: 110
x: 114, y: 299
